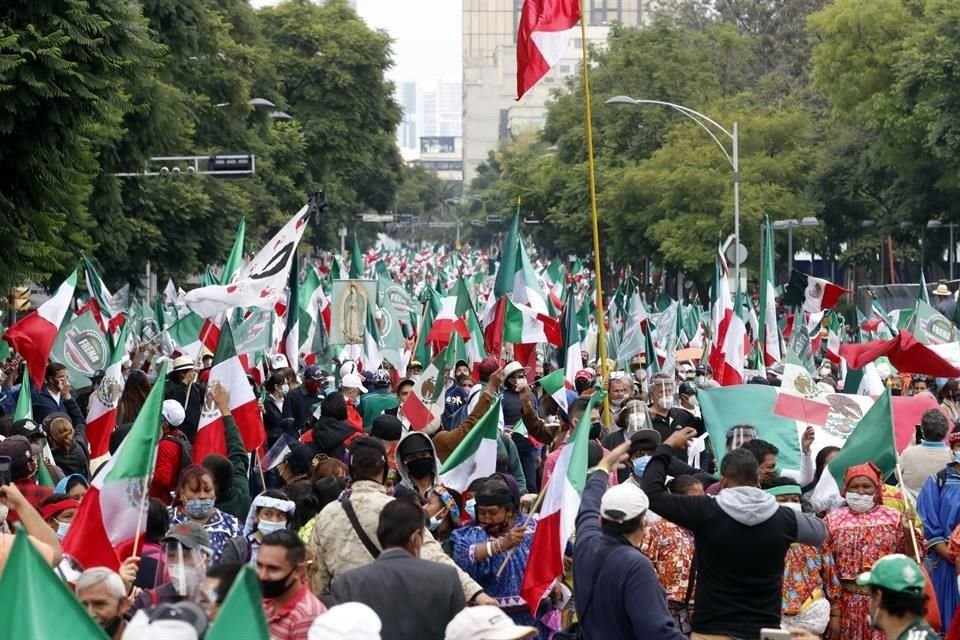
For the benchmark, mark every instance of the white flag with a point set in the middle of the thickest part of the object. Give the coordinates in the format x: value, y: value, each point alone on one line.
x: 264, y: 281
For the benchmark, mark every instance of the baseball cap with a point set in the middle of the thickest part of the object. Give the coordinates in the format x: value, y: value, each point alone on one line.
x: 687, y: 388
x: 27, y: 428
x: 645, y: 439
x: 381, y: 378
x: 366, y: 448
x: 347, y: 621
x: 623, y: 502
x: 895, y: 572
x: 348, y: 367
x: 300, y: 459
x: 415, y: 363
x: 387, y: 427
x: 278, y: 361
x: 187, y: 616
x: 487, y: 366
x: 182, y: 363
x: 20, y: 452
x: 173, y: 413
x: 352, y: 381
x: 585, y: 374
x: 512, y: 368
x: 189, y: 534
x: 415, y: 442
x: 486, y: 623
x: 313, y: 372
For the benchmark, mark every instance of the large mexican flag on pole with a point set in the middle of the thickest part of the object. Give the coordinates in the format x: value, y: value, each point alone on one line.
x: 476, y: 455
x: 109, y: 518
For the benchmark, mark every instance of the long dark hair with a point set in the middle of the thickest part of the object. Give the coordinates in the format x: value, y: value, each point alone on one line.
x: 134, y: 395
x: 821, y: 462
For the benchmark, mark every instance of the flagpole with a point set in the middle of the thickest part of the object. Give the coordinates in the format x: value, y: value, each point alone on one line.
x: 597, y: 267
x: 526, y: 522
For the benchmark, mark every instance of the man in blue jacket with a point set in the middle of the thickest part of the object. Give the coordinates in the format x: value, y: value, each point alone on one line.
x: 55, y: 396
x: 616, y: 591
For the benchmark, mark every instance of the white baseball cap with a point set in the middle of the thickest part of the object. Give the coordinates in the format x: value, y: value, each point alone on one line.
x: 278, y: 361
x: 348, y: 367
x: 172, y: 412
x: 623, y: 502
x: 486, y: 623
x: 347, y: 621
x: 353, y: 381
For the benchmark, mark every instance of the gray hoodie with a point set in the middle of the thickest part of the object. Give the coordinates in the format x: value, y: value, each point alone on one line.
x: 405, y: 478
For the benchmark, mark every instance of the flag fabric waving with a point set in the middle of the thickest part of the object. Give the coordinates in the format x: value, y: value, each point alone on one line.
x: 241, y: 614
x: 558, y: 513
x: 102, y: 410
x: 811, y: 294
x: 33, y: 336
x: 905, y: 353
x: 106, y: 524
x: 769, y: 332
x: 476, y: 455
x: 425, y: 402
x: 542, y: 38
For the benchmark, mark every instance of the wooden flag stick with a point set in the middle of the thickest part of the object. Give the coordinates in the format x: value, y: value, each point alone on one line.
x: 533, y: 509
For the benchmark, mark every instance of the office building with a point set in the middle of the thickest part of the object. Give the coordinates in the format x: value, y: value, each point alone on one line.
x: 407, y: 133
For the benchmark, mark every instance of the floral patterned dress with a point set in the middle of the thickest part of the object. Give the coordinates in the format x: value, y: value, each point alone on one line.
x: 221, y: 527
x: 856, y: 541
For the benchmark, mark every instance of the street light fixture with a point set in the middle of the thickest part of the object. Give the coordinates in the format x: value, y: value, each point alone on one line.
x: 951, y: 250
x: 733, y: 156
x: 790, y: 224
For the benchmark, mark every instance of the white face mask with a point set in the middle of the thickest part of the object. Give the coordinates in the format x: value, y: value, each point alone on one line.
x: 693, y: 401
x: 795, y: 506
x: 859, y: 502
x: 266, y: 527
x: 666, y: 402
x: 185, y: 578
x: 62, y: 528
x: 285, y: 389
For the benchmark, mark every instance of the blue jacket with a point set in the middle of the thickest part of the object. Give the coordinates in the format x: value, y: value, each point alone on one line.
x: 44, y: 405
x: 627, y: 601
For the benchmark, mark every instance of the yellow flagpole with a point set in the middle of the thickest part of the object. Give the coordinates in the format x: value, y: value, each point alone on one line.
x: 601, y: 330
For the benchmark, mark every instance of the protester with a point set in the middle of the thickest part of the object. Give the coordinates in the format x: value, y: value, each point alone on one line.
x: 23, y: 471
x: 379, y: 400
x: 949, y: 398
x: 68, y: 444
x: 58, y: 511
x: 152, y: 561
x: 486, y: 623
x: 329, y: 431
x: 135, y: 391
x: 216, y: 585
x: 824, y: 456
x: 766, y: 455
x: 446, y: 441
x: 347, y: 621
x: 415, y: 368
x: 896, y: 598
x: 168, y: 621
x: 187, y: 555
x: 281, y: 568
x: 183, y: 387
x: 618, y: 390
x: 734, y: 598
x: 340, y: 542
x: 55, y: 395
x: 517, y: 394
x: 277, y: 411
x: 811, y: 589
x: 309, y: 499
x: 195, y: 502
x: 502, y: 534
x: 102, y: 592
x: 74, y: 485
x: 298, y: 465
x: 352, y: 387
x: 616, y: 590
x: 173, y: 452
x: 270, y: 511
x: 388, y: 429
x: 404, y: 389
x: 939, y: 508
x: 41, y: 536
x: 417, y: 463
x: 932, y: 454
x: 306, y: 395
x: 399, y: 570
x: 859, y: 534
x: 229, y: 473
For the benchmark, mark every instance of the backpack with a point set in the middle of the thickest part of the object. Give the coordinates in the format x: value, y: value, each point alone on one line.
x: 186, y: 450
x: 453, y: 420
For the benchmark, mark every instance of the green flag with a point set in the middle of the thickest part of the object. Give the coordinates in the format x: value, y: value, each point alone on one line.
x: 36, y: 604
x: 24, y: 408
x: 241, y: 614
x: 356, y: 261
x: 235, y: 259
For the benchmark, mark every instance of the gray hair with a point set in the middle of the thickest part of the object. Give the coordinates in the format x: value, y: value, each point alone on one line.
x: 94, y: 576
x: 934, y: 425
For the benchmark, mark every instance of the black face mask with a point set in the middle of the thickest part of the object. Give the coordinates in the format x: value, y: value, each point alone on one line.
x: 895, y: 392
x: 275, y: 588
x: 595, y: 430
x: 420, y: 468
x: 112, y: 626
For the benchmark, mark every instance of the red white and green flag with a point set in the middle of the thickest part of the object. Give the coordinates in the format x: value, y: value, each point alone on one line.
x: 555, y: 385
x: 476, y: 455
x: 727, y: 346
x: 109, y: 308
x: 102, y: 410
x: 425, y: 402
x: 108, y: 520
x: 811, y: 294
x: 24, y: 410
x: 228, y: 371
x: 33, y: 336
x: 524, y: 325
x: 447, y: 321
x: 769, y: 330
x: 558, y: 514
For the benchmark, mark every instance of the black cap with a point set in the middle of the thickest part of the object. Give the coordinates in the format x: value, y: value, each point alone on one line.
x: 645, y: 440
x: 687, y: 388
x: 367, y: 449
x: 387, y: 427
x: 300, y: 460
x: 20, y: 453
x: 27, y: 428
x: 414, y: 444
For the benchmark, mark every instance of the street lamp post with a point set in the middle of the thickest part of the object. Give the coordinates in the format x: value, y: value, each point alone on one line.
x: 936, y: 224
x: 733, y: 156
x: 790, y: 225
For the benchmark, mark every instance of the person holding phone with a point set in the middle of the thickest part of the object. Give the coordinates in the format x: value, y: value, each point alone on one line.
x: 55, y: 395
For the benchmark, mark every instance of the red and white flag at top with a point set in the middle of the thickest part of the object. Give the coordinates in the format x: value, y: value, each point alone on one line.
x: 727, y: 346
x: 542, y: 38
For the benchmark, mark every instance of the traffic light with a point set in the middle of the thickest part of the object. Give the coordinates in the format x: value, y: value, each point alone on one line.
x: 21, y: 299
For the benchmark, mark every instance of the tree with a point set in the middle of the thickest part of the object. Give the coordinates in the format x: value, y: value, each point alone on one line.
x: 63, y: 66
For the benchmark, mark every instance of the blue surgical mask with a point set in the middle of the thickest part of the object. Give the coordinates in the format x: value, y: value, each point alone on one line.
x: 266, y: 527
x: 640, y: 465
x: 956, y: 457
x: 435, y: 523
x: 62, y: 528
x: 471, y: 507
x: 198, y: 508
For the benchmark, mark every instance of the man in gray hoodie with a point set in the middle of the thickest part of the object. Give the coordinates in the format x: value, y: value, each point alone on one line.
x: 742, y: 536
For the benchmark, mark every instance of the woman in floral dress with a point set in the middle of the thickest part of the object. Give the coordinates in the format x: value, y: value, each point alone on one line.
x: 195, y: 503
x: 858, y: 534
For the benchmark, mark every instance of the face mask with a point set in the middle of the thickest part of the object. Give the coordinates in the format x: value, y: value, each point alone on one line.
x: 498, y: 529
x: 595, y: 430
x: 665, y: 402
x: 275, y: 588
x: 896, y: 392
x: 470, y: 506
x: 420, y: 468
x: 356, y: 401
x: 693, y: 401
x: 184, y: 578
x: 519, y: 382
x: 435, y: 523
x: 62, y: 528
x: 266, y: 527
x: 795, y: 506
x: 198, y: 508
x: 285, y: 389
x: 616, y: 403
x: 859, y: 502
x: 640, y: 465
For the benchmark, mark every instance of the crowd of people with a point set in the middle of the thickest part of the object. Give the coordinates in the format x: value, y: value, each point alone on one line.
x: 352, y: 533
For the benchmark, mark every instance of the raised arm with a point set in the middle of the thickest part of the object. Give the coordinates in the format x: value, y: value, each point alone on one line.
x: 687, y: 511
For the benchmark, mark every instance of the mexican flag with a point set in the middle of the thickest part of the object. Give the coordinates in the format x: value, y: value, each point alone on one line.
x: 425, y: 402
x: 558, y: 513
x: 109, y: 307
x: 231, y: 267
x: 525, y: 325
x: 905, y: 353
x: 874, y: 440
x: 102, y: 410
x: 36, y: 604
x: 291, y: 330
x: 476, y: 455
x: 570, y: 358
x: 555, y: 385
x: 108, y: 520
x: 33, y: 336
x: 769, y: 331
x: 372, y: 344
x: 811, y: 294
x: 241, y: 614
x: 24, y: 410
x: 446, y: 322
x: 228, y: 370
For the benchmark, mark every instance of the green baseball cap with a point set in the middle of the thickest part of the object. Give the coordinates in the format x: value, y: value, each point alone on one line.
x: 895, y: 572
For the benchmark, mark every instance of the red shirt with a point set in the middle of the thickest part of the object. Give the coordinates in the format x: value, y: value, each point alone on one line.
x: 34, y: 492
x: 293, y: 620
x: 167, y: 470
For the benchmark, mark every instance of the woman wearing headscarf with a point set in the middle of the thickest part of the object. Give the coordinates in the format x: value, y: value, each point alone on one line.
x: 481, y: 549
x: 270, y: 511
x: 858, y: 534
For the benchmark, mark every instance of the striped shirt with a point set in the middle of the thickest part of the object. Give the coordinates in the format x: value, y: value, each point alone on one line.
x: 292, y: 621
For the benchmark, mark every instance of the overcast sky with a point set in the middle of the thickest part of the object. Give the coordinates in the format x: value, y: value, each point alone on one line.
x: 426, y: 34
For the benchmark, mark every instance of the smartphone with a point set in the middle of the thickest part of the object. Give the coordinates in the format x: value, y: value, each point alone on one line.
x: 917, y: 434
x: 5, y: 470
x: 774, y: 634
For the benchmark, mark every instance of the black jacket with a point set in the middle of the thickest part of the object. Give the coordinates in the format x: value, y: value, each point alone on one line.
x: 300, y: 402
x: 329, y: 435
x: 439, y: 596
x: 273, y: 421
x: 742, y: 538
x: 625, y: 600
x: 72, y: 460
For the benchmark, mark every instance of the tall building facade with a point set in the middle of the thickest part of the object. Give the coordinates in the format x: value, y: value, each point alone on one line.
x: 490, y: 109
x: 407, y: 133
